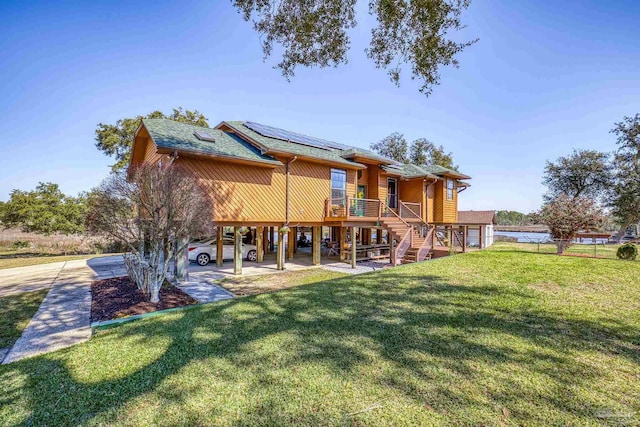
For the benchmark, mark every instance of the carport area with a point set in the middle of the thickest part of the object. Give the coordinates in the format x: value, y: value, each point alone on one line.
x: 278, y: 249
x: 301, y: 261
x: 246, y: 250
x: 269, y: 264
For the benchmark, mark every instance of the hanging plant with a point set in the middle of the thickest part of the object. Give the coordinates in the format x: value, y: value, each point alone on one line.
x: 284, y: 229
x: 243, y: 230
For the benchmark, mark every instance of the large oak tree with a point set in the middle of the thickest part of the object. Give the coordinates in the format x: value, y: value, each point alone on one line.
x: 45, y: 209
x: 315, y: 33
x: 625, y: 201
x: 420, y: 152
x: 583, y: 173
x: 116, y: 139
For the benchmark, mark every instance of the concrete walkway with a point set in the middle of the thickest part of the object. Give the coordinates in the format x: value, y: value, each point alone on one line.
x: 35, y: 277
x: 64, y: 317
x: 205, y: 292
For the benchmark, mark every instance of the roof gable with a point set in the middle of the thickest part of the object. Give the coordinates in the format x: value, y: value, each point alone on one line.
x: 279, y: 146
x: 176, y: 136
x: 477, y: 217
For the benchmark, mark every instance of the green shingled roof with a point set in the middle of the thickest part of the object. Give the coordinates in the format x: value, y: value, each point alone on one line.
x: 440, y: 170
x: 366, y: 154
x: 278, y: 145
x: 409, y: 171
x: 172, y: 135
x: 430, y: 171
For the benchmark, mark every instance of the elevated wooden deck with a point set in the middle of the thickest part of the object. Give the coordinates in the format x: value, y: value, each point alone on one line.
x: 354, y: 210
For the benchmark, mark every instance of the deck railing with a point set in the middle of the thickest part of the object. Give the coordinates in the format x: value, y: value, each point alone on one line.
x: 441, y: 236
x: 353, y: 208
x: 457, y: 239
x: 410, y: 211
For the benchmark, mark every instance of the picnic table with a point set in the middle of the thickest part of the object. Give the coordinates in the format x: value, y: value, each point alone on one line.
x: 367, y: 252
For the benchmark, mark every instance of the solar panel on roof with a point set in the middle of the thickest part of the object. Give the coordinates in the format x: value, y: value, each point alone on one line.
x: 204, y: 136
x: 285, y: 135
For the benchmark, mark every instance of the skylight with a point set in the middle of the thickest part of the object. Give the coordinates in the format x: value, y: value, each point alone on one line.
x: 204, y: 136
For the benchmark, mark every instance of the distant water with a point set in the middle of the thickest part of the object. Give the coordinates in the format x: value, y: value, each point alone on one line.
x: 534, y: 237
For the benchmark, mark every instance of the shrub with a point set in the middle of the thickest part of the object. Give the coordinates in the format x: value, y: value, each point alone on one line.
x: 628, y: 251
x: 20, y: 244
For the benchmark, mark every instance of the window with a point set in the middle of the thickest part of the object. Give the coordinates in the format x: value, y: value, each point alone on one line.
x: 392, y: 193
x: 338, y: 187
x: 450, y: 187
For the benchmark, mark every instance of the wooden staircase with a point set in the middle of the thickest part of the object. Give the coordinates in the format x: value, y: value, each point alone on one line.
x: 411, y: 247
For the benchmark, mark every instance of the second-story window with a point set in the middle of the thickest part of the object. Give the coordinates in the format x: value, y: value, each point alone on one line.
x: 450, y: 188
x: 338, y: 187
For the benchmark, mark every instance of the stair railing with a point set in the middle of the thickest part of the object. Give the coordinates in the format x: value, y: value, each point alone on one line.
x: 403, y: 246
x: 427, y: 245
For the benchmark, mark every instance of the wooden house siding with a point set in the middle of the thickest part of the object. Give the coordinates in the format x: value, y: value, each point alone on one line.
x: 309, y: 187
x: 412, y: 191
x: 254, y: 194
x: 373, y: 182
x: 151, y: 154
x: 364, y: 180
x: 241, y: 193
x: 450, y: 206
x: 445, y: 211
x: 382, y: 186
x: 430, y: 194
x: 145, y: 150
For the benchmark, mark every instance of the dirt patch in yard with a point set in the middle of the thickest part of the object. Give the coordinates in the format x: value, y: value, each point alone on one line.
x: 119, y: 297
x: 252, y: 285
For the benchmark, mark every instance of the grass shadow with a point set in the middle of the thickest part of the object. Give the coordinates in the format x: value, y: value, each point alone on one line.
x: 421, y: 341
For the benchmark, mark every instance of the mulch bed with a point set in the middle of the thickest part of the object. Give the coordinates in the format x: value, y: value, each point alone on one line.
x: 119, y: 297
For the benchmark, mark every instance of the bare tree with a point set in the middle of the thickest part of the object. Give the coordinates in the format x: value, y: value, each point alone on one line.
x: 153, y: 210
x: 566, y: 216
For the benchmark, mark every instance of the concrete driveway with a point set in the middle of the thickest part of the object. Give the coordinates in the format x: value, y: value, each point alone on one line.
x: 35, y: 277
x: 64, y: 317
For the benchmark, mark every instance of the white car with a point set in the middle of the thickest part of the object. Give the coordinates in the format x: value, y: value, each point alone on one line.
x: 202, y: 252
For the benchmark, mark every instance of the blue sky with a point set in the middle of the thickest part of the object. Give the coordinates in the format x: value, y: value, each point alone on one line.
x: 545, y: 77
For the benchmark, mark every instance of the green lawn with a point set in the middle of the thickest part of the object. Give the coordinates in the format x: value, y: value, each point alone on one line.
x: 16, y: 311
x: 599, y: 251
x: 496, y: 337
x: 19, y: 259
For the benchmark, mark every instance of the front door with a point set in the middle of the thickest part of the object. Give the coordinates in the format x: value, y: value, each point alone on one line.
x: 360, y: 203
x: 392, y: 193
x: 362, y: 192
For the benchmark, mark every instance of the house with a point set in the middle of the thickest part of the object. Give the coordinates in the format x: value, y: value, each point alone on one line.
x: 267, y: 178
x: 479, y: 226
